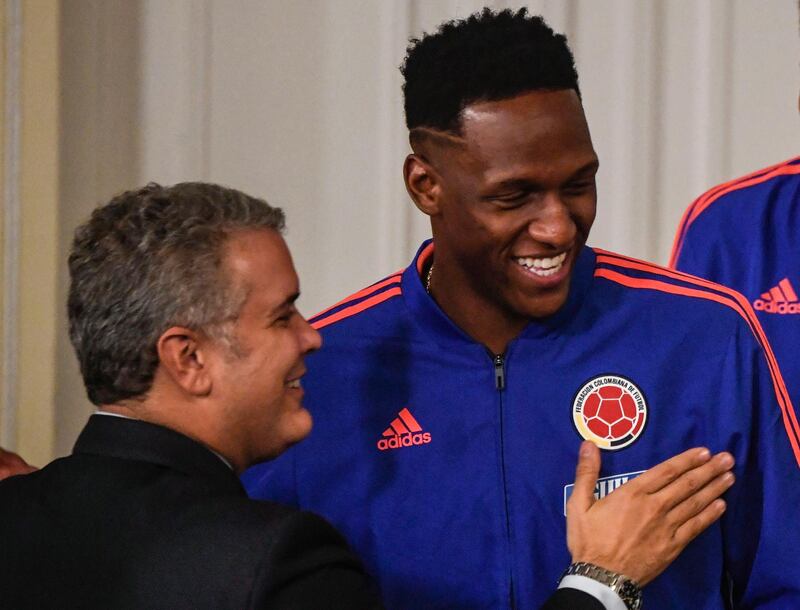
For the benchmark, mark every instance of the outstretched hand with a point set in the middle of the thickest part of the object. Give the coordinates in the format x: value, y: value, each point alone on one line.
x: 11, y: 464
x: 649, y: 520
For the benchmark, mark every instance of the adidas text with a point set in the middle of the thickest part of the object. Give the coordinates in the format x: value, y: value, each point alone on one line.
x: 773, y: 307
x: 406, y: 440
x: 780, y: 299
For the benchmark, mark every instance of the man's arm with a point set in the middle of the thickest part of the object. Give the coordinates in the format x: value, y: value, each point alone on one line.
x: 759, y: 531
x: 310, y: 565
x: 573, y: 599
x: 11, y: 464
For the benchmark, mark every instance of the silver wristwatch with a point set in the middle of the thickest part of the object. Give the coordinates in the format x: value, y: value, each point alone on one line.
x: 627, y: 589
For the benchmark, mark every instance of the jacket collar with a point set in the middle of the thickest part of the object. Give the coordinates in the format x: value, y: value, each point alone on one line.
x: 426, y: 312
x: 133, y: 439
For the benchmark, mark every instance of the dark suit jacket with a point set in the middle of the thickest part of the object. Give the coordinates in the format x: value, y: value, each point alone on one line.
x: 143, y: 517
x: 571, y: 599
x: 140, y: 516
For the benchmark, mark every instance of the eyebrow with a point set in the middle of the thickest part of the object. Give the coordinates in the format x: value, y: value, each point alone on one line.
x: 525, y: 183
x: 591, y: 166
x: 286, y: 304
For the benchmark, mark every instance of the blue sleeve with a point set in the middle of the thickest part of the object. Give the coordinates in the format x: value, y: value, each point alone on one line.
x: 760, y: 530
x: 273, y: 480
x: 688, y: 263
x: 700, y: 255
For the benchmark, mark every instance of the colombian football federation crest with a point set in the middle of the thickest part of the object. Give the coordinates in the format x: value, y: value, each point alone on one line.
x: 610, y: 411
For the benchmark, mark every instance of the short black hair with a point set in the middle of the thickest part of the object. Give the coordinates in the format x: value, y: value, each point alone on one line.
x: 488, y: 56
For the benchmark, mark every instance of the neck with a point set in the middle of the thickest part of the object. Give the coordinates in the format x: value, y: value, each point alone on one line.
x: 483, y: 319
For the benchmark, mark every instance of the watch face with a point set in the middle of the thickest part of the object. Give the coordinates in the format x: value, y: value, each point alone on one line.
x: 631, y: 594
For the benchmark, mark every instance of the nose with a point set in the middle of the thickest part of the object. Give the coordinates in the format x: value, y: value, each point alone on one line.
x: 310, y: 339
x: 552, y: 224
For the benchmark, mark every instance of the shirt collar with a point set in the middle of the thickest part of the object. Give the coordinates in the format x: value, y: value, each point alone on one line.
x: 427, y: 312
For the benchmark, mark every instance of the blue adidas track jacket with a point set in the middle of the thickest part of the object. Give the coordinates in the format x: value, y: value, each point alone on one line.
x: 746, y: 234
x: 448, y: 468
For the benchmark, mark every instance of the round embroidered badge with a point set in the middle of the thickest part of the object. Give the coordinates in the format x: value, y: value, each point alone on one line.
x: 610, y: 411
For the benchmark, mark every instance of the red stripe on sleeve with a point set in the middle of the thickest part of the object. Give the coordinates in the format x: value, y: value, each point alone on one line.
x: 358, y: 308
x: 395, y: 277
x: 704, y: 201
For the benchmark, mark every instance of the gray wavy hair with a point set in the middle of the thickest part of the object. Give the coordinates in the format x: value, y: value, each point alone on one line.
x: 147, y: 260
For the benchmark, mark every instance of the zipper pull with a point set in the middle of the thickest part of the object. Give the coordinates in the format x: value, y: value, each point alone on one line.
x: 499, y: 372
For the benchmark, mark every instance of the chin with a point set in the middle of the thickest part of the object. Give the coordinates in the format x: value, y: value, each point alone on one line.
x: 543, y: 308
x: 288, y: 431
x: 300, y: 426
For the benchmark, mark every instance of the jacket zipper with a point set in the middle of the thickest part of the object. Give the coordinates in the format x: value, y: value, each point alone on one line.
x: 500, y: 385
x: 499, y: 373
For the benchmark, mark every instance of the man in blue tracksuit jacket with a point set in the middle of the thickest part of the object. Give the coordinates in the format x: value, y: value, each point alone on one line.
x: 450, y: 397
x: 745, y: 234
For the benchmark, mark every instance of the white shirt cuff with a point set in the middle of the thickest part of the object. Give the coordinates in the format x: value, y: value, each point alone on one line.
x: 604, y: 594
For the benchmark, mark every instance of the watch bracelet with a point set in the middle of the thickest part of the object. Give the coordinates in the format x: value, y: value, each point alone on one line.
x: 626, y: 588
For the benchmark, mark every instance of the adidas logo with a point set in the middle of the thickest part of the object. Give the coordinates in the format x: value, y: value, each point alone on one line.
x: 404, y: 431
x: 780, y: 299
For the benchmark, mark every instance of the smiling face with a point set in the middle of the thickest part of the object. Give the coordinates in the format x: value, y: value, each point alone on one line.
x: 256, y: 381
x: 511, y: 202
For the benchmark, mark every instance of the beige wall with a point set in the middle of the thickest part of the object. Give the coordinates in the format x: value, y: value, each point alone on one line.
x: 77, y: 96
x: 300, y: 102
x: 30, y: 234
x: 99, y: 145
x: 4, y: 372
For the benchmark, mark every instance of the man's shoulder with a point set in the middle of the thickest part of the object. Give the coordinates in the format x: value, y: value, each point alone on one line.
x: 737, y: 208
x: 684, y: 294
x: 365, y: 311
x: 165, y: 539
x: 249, y: 516
x: 252, y: 527
x: 748, y: 191
x: 19, y: 491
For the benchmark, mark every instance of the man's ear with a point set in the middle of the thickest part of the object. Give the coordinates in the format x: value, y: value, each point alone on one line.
x: 182, y: 355
x: 423, y: 184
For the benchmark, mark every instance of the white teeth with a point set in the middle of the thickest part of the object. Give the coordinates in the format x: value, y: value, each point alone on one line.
x: 543, y: 266
x: 295, y: 383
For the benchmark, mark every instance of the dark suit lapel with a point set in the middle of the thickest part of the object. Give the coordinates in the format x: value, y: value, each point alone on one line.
x: 132, y: 439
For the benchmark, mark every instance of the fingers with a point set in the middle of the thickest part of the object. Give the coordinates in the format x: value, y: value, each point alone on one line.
x: 699, y: 523
x: 690, y: 488
x: 666, y: 472
x: 586, y: 473
x: 698, y: 501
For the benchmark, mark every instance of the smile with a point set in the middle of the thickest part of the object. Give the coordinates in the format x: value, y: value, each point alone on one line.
x: 543, y: 266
